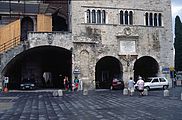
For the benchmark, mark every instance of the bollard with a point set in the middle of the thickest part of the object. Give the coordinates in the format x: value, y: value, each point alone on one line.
x: 125, y: 91
x: 145, y: 92
x: 166, y: 93
x: 181, y: 96
x: 85, y: 92
x: 55, y: 93
x: 60, y: 93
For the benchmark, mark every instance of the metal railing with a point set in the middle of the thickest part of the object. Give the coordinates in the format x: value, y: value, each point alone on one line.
x: 9, y: 44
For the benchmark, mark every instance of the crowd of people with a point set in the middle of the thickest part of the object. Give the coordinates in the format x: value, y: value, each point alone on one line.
x: 68, y: 86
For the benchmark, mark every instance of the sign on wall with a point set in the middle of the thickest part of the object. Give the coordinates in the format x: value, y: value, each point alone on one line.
x: 128, y: 46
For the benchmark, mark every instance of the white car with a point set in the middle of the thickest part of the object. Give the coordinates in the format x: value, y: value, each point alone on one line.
x: 155, y: 82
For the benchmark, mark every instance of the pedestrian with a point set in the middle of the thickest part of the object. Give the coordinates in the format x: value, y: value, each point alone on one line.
x: 76, y: 82
x: 131, y: 86
x: 140, y: 84
x: 66, y: 83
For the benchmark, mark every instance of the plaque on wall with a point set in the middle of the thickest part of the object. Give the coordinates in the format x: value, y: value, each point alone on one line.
x: 128, y: 46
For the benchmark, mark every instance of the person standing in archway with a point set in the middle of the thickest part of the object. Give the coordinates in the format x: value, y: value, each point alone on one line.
x: 140, y: 84
x: 66, y: 83
x: 76, y: 82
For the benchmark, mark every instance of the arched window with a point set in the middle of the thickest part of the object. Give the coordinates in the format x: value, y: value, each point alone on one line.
x: 98, y: 16
x: 155, y: 19
x: 151, y: 19
x: 126, y: 17
x: 121, y: 17
x: 146, y: 19
x: 160, y: 19
x: 131, y: 18
x: 88, y: 16
x: 93, y: 16
x: 27, y: 24
x: 103, y: 16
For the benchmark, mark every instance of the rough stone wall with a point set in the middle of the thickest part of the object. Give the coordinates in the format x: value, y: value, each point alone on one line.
x: 150, y: 41
x: 60, y: 39
x: 6, y: 57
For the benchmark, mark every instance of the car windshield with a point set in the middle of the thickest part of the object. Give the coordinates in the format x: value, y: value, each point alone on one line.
x: 148, y: 80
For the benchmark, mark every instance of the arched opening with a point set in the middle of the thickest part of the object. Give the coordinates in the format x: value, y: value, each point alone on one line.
x: 31, y: 65
x: 98, y: 16
x: 155, y: 19
x: 160, y: 19
x: 126, y: 17
x: 103, y: 16
x: 151, y: 19
x: 93, y: 16
x: 121, y: 17
x: 145, y: 67
x: 131, y: 18
x: 26, y: 25
x: 59, y: 23
x: 107, y: 68
x: 88, y: 16
x: 146, y: 19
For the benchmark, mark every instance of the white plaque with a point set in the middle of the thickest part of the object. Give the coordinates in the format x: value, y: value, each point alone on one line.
x: 127, y: 46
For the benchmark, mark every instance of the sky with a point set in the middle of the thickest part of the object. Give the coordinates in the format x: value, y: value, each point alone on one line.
x: 176, y: 10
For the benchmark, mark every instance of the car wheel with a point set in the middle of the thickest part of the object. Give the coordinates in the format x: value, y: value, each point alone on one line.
x: 148, y: 88
x: 165, y: 87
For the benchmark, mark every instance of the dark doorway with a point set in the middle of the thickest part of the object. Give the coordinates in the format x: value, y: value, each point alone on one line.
x: 32, y: 64
x: 26, y: 25
x: 59, y: 23
x: 145, y: 67
x: 107, y: 68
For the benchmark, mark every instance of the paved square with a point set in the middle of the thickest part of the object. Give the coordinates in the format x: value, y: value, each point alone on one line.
x: 97, y: 105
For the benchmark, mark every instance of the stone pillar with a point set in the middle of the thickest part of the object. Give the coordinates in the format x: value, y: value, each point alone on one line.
x: 125, y: 91
x: 166, y: 93
x: 86, y: 85
x: 145, y: 92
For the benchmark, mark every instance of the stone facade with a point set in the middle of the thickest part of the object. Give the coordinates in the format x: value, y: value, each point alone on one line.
x: 126, y: 43
x: 102, y: 40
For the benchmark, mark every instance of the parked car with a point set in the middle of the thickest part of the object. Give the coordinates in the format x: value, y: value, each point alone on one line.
x: 155, y: 82
x: 117, y: 84
x: 27, y: 85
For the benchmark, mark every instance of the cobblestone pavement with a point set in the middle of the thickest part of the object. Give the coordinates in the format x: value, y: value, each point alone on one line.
x: 97, y: 105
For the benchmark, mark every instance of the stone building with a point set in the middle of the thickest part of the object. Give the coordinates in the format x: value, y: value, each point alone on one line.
x: 94, y: 40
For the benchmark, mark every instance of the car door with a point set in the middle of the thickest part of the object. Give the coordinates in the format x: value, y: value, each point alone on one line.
x: 155, y: 83
x: 163, y: 82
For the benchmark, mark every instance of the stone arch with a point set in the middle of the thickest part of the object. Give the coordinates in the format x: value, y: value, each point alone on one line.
x: 107, y: 68
x: 27, y: 24
x: 145, y: 66
x: 84, y: 63
x: 33, y: 63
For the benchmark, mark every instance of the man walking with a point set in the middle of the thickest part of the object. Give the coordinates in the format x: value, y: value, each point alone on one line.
x: 140, y: 84
x: 131, y: 86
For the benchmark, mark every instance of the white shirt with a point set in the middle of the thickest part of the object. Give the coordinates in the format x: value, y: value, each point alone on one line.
x: 140, y: 84
x: 131, y: 83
